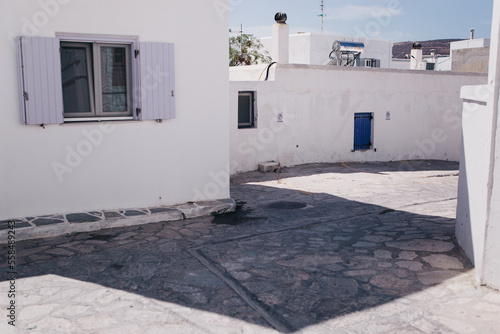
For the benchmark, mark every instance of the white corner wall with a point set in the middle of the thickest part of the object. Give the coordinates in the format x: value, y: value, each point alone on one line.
x: 474, y: 164
x: 318, y: 105
x: 137, y: 164
x: 478, y: 210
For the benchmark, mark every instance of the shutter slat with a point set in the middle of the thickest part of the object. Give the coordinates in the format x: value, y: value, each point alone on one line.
x: 155, y: 59
x: 42, y: 81
x: 157, y: 80
x: 40, y: 77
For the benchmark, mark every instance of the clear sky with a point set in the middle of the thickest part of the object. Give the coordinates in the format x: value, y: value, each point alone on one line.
x: 395, y: 20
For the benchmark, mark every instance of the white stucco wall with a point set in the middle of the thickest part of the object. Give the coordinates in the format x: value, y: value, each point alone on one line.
x: 313, y: 49
x: 478, y: 208
x: 137, y: 164
x: 318, y: 105
x: 473, y: 180
x: 250, y: 72
x: 400, y: 64
x: 443, y: 64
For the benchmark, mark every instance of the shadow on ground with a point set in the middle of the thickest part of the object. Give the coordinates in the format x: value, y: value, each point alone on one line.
x: 287, y: 259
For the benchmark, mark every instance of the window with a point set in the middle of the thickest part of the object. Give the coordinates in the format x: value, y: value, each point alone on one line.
x: 363, y: 131
x: 369, y: 62
x: 96, y: 79
x: 246, y: 110
x: 88, y: 78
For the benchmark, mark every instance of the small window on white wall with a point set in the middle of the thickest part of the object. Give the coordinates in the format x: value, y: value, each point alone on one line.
x: 246, y: 110
x: 369, y: 62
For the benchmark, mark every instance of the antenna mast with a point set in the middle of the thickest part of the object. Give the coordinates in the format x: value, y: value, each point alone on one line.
x: 322, y: 15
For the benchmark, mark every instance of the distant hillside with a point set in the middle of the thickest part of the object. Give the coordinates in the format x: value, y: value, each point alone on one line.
x: 442, y: 47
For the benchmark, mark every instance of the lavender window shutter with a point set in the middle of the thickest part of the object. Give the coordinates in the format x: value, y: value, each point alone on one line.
x: 40, y: 80
x: 157, y: 81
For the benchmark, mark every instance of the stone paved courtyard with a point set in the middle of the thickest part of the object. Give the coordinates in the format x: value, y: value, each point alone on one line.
x: 321, y: 248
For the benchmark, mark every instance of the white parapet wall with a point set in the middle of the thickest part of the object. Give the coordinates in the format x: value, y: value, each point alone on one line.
x: 306, y: 115
x: 127, y: 164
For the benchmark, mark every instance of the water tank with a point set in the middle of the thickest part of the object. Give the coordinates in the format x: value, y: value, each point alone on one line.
x: 345, y: 46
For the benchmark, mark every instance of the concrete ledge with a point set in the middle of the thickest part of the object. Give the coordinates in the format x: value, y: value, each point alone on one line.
x: 56, y: 225
x: 478, y: 93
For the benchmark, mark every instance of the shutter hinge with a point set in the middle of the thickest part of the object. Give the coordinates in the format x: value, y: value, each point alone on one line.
x: 25, y: 95
x: 172, y: 93
x: 136, y: 53
x: 137, y: 111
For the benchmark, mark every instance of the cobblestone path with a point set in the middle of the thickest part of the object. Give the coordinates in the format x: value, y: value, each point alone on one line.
x: 326, y: 248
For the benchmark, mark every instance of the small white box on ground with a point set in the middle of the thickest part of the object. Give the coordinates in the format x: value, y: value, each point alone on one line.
x: 268, y: 166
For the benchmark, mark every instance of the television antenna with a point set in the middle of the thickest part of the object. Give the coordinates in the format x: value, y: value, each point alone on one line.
x: 322, y: 15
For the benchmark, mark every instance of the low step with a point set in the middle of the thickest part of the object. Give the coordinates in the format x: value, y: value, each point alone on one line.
x: 268, y: 166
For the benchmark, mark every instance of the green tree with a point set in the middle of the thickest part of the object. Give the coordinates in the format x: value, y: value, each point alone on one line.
x: 244, y: 49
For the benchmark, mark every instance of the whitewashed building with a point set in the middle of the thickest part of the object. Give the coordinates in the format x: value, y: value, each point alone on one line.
x: 470, y: 55
x: 106, y: 104
x: 314, y: 49
x: 297, y: 113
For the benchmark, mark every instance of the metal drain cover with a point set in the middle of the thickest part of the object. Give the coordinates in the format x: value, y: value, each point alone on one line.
x: 285, y: 205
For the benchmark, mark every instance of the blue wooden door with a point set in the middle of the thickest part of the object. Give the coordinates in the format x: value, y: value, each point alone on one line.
x: 362, y: 131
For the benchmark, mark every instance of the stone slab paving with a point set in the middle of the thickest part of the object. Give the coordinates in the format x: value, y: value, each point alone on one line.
x: 323, y: 248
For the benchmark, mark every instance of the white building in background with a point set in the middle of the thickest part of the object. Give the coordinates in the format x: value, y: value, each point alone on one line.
x: 314, y: 49
x: 470, y: 55
x: 440, y: 63
x: 313, y: 114
x: 302, y: 113
x: 69, y: 146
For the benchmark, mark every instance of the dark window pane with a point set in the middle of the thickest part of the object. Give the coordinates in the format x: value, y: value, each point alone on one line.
x: 245, y: 110
x: 113, y: 78
x: 75, y: 80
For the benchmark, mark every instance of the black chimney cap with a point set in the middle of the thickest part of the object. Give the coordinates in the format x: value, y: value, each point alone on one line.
x: 417, y: 46
x: 280, y: 17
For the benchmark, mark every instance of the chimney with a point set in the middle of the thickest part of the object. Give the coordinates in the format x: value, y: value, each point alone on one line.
x: 416, y: 57
x: 472, y: 33
x: 280, y: 39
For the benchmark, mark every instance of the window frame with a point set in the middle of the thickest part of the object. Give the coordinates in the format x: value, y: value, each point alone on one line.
x: 372, y: 62
x: 133, y: 75
x: 91, y: 79
x: 252, y: 110
x: 98, y: 81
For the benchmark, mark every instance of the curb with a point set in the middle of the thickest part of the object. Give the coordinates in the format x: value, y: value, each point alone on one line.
x: 57, y: 225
